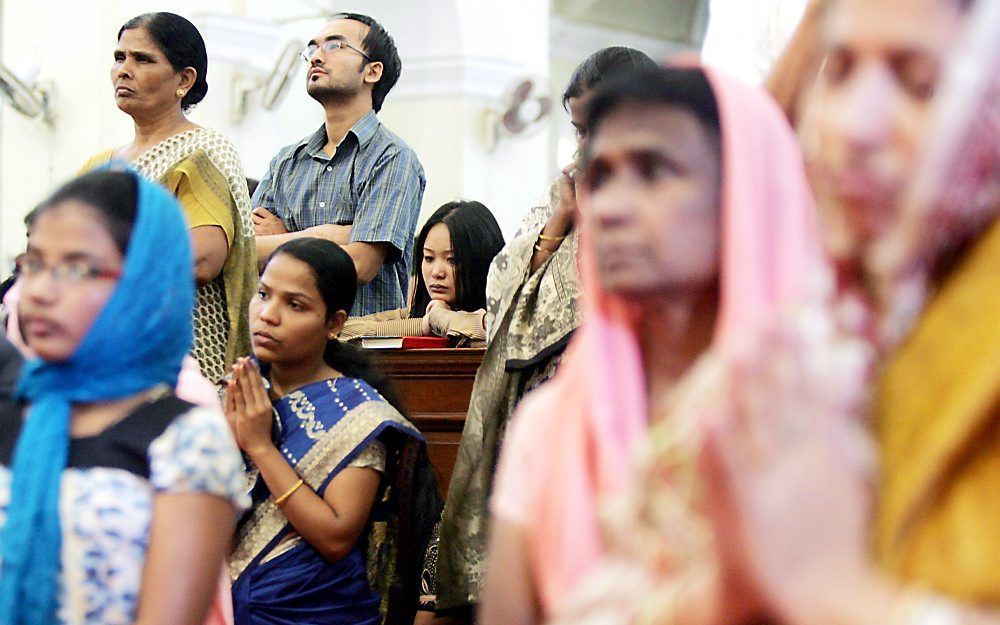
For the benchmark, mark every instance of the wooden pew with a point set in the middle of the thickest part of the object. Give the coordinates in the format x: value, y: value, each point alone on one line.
x: 434, y: 386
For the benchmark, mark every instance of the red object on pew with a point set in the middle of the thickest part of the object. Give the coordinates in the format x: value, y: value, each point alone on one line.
x: 404, y: 342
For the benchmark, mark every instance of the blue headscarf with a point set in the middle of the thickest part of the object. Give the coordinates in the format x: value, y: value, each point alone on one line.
x: 137, y: 342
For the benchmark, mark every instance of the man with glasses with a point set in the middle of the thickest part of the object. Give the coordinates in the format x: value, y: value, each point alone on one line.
x: 353, y: 181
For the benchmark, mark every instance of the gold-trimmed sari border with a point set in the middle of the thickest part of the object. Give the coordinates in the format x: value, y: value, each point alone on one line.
x: 342, y: 441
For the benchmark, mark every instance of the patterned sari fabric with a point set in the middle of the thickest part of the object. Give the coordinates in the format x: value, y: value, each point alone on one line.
x: 210, y: 165
x: 325, y: 427
x: 529, y: 319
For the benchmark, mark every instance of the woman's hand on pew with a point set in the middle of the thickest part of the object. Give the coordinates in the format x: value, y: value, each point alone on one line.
x: 436, y: 319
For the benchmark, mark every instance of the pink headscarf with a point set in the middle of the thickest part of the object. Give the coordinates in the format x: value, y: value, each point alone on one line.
x: 594, y: 411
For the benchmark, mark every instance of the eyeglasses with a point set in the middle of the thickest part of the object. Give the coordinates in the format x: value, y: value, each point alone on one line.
x: 65, y: 272
x: 328, y: 46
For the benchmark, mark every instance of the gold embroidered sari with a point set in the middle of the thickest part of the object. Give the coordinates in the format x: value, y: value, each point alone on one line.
x: 325, y: 427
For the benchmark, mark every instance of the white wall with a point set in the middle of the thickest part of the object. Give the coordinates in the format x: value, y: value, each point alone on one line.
x: 745, y: 37
x: 459, y: 58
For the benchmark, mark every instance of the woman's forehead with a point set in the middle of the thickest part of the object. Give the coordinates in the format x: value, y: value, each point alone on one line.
x: 891, y: 25
x: 287, y: 273
x: 72, y: 228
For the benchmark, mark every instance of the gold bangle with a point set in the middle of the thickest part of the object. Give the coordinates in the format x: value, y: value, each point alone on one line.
x: 548, y: 238
x: 539, y: 248
x: 289, y: 492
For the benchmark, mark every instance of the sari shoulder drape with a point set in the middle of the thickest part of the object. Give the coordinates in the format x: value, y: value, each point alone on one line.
x: 96, y: 161
x: 201, y: 189
x: 323, y: 429
x: 215, y: 172
x: 938, y: 420
x: 542, y: 306
x: 209, y: 162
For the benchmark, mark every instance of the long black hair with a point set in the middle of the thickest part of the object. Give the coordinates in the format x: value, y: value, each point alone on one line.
x: 337, y: 280
x: 475, y: 240
x: 182, y: 44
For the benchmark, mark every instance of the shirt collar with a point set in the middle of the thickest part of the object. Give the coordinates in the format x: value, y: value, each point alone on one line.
x: 314, y: 143
x: 365, y: 127
x: 363, y: 130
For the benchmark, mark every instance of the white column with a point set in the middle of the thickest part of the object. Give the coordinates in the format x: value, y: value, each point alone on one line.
x: 745, y: 37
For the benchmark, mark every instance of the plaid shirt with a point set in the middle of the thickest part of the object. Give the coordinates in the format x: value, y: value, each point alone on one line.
x: 374, y: 182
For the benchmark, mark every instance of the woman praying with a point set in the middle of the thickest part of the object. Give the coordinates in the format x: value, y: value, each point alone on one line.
x: 323, y: 434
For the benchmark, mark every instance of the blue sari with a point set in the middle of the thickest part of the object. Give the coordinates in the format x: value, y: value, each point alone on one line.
x: 324, y: 426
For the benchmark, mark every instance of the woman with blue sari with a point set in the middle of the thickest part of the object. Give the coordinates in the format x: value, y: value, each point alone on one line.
x: 320, y: 430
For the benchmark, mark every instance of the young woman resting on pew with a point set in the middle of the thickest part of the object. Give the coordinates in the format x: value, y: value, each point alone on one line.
x: 326, y: 441
x: 451, y: 256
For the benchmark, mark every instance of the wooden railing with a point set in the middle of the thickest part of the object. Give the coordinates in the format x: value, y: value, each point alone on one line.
x: 434, y: 386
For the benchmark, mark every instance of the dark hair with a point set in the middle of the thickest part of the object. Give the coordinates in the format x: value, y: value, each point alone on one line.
x: 380, y: 47
x: 603, y: 64
x: 475, y: 240
x: 180, y: 41
x: 337, y: 280
x: 682, y: 87
x: 112, y: 193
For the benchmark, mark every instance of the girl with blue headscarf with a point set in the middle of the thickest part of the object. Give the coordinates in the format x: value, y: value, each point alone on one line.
x: 117, y: 500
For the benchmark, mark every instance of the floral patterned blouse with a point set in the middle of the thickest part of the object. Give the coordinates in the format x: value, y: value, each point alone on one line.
x: 108, y: 489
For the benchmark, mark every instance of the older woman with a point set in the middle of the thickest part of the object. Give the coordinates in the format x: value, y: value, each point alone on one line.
x: 688, y: 247
x: 159, y: 71
x: 801, y: 531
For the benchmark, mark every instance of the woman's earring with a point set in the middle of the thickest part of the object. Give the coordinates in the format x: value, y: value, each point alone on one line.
x: 180, y: 93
